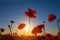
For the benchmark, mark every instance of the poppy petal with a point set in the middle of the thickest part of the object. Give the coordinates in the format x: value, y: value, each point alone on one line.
x: 30, y: 15
x: 31, y: 11
x: 21, y: 26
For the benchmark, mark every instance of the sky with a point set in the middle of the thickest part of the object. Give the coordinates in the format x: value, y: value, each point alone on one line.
x: 15, y: 9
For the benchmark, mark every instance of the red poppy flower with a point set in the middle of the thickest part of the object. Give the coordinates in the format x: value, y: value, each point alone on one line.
x: 40, y: 26
x: 58, y: 33
x: 36, y: 30
x: 2, y: 30
x: 48, y: 36
x: 21, y: 26
x: 31, y: 11
x: 56, y: 38
x: 30, y: 15
x: 51, y: 17
x: 39, y: 31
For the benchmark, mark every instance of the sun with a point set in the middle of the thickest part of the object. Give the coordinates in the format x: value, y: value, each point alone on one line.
x: 26, y: 28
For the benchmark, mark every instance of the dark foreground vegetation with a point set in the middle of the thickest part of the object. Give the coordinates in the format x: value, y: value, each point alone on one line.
x: 16, y: 37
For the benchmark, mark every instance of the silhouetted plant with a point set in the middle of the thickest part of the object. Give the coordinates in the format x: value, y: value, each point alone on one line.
x: 11, y: 25
x: 44, y: 31
x: 58, y: 25
x: 1, y: 30
x: 10, y: 29
x: 30, y: 13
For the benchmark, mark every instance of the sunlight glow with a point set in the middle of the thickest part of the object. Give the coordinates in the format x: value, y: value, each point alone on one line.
x: 26, y: 28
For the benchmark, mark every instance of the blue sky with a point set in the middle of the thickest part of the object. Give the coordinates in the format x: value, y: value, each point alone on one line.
x: 14, y: 10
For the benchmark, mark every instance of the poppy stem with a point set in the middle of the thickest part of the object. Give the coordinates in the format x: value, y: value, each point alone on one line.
x: 0, y: 33
x: 44, y: 29
x: 29, y: 26
x: 58, y: 25
x: 10, y: 29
